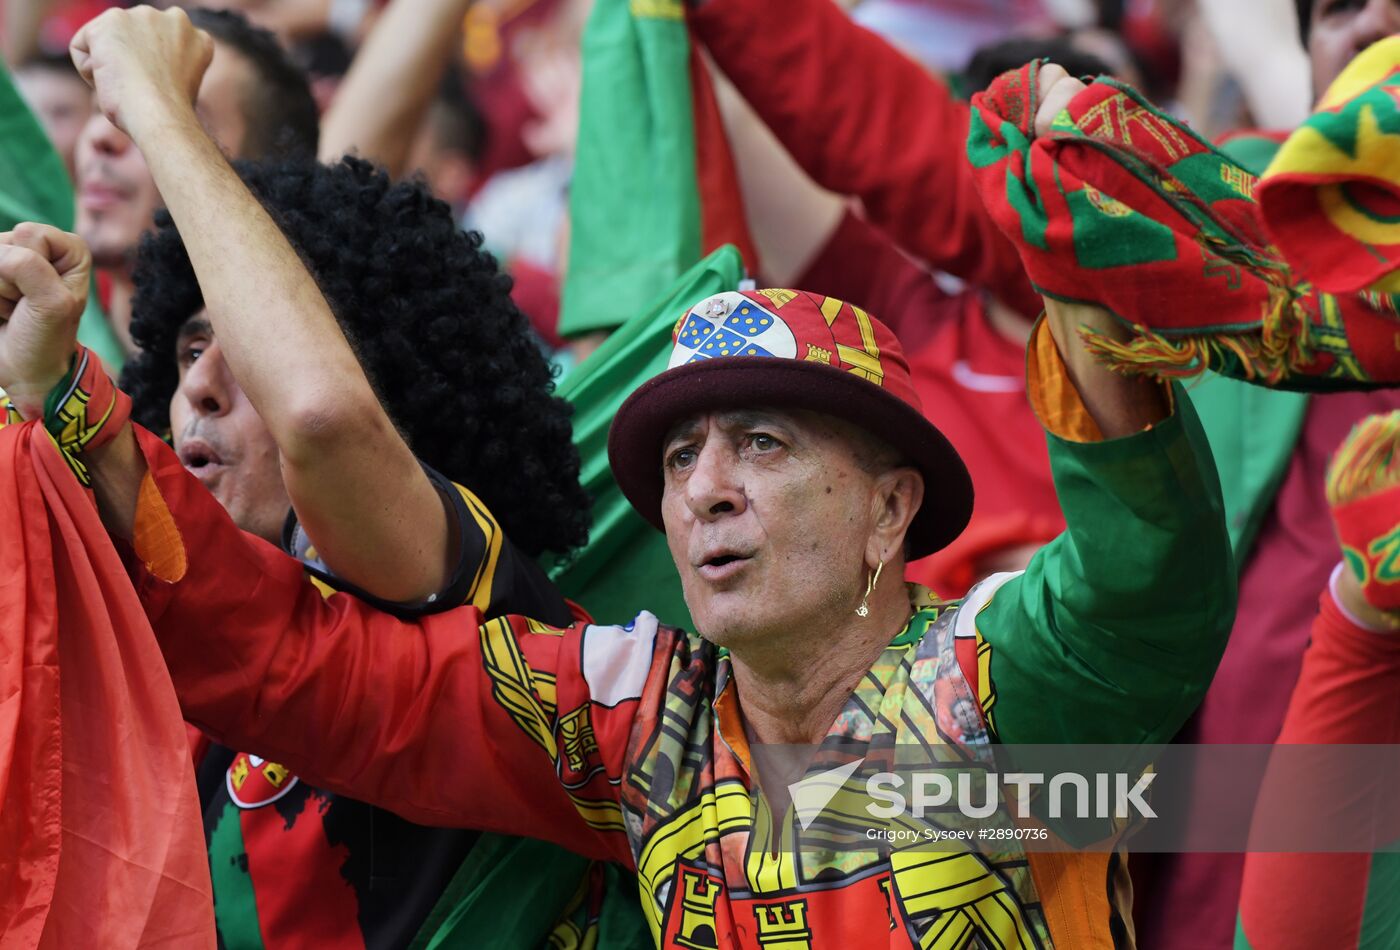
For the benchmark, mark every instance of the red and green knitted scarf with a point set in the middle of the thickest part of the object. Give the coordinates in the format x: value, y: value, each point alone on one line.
x: 1124, y: 207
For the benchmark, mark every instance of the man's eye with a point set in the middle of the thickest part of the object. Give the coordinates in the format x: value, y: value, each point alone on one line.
x: 189, y: 354
x: 763, y: 442
x: 680, y: 458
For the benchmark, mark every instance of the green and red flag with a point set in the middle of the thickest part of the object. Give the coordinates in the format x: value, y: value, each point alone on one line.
x: 1129, y: 209
x: 626, y: 566
x: 654, y: 186
x: 654, y: 191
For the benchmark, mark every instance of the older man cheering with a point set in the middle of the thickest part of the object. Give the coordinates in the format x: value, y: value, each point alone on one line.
x: 785, y: 457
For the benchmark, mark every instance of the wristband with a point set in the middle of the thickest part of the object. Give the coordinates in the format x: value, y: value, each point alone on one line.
x: 84, y: 411
x: 1351, y: 618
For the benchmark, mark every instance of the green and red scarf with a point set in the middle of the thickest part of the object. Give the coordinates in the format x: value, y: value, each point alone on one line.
x: 1124, y: 207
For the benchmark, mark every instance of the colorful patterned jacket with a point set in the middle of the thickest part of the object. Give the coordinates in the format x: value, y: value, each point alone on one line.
x: 626, y: 743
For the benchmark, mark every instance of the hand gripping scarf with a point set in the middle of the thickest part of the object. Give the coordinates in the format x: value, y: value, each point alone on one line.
x: 1123, y: 207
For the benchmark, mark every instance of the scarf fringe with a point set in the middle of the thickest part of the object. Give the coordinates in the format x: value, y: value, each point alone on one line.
x: 1367, y: 462
x: 1279, y: 348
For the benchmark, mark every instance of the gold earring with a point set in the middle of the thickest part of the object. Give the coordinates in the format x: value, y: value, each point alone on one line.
x: 864, y: 609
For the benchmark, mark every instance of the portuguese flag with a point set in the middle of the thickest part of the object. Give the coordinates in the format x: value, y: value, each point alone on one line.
x: 626, y: 566
x: 654, y: 192
x: 654, y: 185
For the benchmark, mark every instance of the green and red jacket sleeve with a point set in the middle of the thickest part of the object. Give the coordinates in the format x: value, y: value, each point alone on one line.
x: 443, y: 720
x: 1348, y: 693
x: 1124, y: 616
x: 863, y: 119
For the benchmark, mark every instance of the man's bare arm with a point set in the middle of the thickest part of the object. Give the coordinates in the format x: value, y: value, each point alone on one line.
x: 385, y: 96
x: 278, y: 334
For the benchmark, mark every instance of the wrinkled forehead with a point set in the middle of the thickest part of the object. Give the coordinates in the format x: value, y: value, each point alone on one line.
x: 788, y: 423
x: 702, y: 421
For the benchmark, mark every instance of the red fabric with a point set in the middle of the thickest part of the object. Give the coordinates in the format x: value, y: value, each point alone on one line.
x: 970, y: 379
x: 863, y: 119
x: 1369, y: 530
x: 722, y: 219
x: 374, y: 693
x: 290, y: 860
x: 536, y: 292
x: 96, y: 772
x: 1291, y: 561
x: 1349, y: 693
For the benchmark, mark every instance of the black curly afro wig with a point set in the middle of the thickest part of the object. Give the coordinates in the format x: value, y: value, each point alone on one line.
x: 429, y: 315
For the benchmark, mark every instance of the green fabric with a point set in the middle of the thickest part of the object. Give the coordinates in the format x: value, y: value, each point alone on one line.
x: 34, y: 186
x: 1252, y: 431
x: 95, y: 333
x: 1124, y: 616
x: 626, y: 566
x: 515, y: 892
x: 634, y: 204
x: 1380, y: 915
x: 236, y: 909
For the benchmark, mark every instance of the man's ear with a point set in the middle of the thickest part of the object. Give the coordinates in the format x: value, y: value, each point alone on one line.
x: 899, y: 493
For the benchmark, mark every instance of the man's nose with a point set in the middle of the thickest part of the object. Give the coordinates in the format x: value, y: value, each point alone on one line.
x: 715, y: 487
x: 103, y: 138
x: 207, y: 385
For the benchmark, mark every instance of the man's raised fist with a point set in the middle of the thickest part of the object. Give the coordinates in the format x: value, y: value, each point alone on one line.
x: 141, y: 62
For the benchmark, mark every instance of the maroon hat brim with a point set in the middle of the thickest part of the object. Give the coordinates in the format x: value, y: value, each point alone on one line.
x: 748, y: 382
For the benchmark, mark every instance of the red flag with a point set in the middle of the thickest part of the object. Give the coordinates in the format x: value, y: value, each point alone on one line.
x: 100, y: 836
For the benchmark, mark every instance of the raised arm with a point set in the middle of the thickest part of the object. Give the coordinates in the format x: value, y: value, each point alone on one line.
x: 275, y: 329
x: 1124, y: 616
x: 391, y: 83
x: 862, y: 119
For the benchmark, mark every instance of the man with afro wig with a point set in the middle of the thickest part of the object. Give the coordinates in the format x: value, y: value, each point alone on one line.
x: 387, y: 371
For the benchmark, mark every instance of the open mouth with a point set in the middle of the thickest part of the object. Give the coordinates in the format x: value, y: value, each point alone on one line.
x: 199, y: 458
x: 722, y: 567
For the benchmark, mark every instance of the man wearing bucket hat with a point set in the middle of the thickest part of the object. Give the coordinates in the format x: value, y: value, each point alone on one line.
x: 785, y: 456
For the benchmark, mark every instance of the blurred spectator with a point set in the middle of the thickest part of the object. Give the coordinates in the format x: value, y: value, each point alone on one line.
x: 325, y: 58
x: 943, y: 34
x: 521, y: 212
x: 450, y: 143
x: 991, y: 61
x: 296, y: 20
x: 254, y: 103
x: 60, y: 99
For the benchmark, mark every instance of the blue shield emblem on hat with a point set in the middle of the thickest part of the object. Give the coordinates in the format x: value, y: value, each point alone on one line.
x: 730, y: 324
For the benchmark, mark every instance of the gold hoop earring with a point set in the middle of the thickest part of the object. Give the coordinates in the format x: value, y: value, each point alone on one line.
x: 864, y: 609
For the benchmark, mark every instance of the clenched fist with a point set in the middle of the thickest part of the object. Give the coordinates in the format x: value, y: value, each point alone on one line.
x: 43, y: 289
x: 1055, y: 90
x: 142, y: 62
